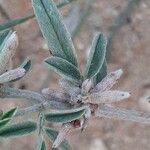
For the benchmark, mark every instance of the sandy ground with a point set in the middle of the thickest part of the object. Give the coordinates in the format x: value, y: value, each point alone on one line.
x: 130, y: 52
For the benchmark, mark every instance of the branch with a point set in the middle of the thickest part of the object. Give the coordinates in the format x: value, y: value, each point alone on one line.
x: 6, y: 92
x: 41, y: 102
x: 53, y: 105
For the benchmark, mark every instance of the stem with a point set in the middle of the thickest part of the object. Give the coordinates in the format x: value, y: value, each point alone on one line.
x: 6, y: 92
x: 53, y: 105
x: 41, y: 103
x: 34, y: 97
x: 12, y: 23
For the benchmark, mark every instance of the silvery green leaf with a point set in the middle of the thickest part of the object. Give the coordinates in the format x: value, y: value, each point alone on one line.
x: 52, y: 134
x: 12, y: 75
x: 41, y: 145
x: 10, y: 113
x: 122, y: 114
x: 64, y: 68
x: 102, y: 73
x: 26, y: 64
x: 3, y: 37
x: 65, y: 116
x: 96, y: 56
x: 4, y: 122
x: 12, y: 23
x: 8, y: 49
x: 54, y: 31
x: 18, y: 129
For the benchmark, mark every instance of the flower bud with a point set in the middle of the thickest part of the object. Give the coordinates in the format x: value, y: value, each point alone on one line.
x: 63, y: 133
x: 8, y: 51
x: 108, y: 82
x: 50, y: 93
x: 107, y: 97
x: 12, y: 75
x: 69, y: 87
x: 86, y: 86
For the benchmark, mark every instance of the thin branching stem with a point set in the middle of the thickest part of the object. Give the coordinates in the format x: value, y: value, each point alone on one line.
x: 33, y: 97
x: 39, y: 101
x: 48, y: 105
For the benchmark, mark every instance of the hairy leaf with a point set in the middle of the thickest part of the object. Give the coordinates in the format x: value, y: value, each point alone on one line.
x: 12, y: 23
x: 10, y: 113
x: 53, y: 29
x: 52, y: 134
x: 4, y: 122
x: 41, y: 145
x: 65, y: 116
x: 102, y: 73
x: 18, y: 129
x: 64, y: 68
x: 3, y: 37
x: 26, y: 64
x: 96, y: 56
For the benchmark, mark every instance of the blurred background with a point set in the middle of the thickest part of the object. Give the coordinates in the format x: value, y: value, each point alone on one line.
x: 127, y: 26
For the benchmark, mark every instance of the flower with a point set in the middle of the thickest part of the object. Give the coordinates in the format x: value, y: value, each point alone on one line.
x: 8, y: 51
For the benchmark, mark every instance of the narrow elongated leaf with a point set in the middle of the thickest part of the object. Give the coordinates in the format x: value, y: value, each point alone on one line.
x: 26, y: 64
x: 53, y: 29
x: 4, y: 122
x: 41, y: 145
x: 12, y: 23
x: 96, y: 56
x: 9, y: 113
x: 19, y: 129
x: 102, y: 73
x: 52, y: 134
x: 65, y: 116
x: 4, y: 37
x: 64, y: 68
x: 123, y: 114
